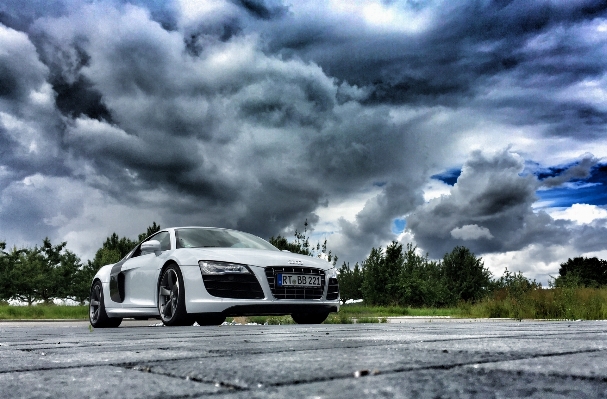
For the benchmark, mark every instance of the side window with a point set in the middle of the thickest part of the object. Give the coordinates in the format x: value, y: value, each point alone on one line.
x: 165, y: 240
x: 163, y: 237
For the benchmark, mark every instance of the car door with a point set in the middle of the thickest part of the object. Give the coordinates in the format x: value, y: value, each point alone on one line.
x: 141, y: 273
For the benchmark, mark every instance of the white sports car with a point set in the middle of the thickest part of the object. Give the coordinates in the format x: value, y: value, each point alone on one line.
x: 188, y: 274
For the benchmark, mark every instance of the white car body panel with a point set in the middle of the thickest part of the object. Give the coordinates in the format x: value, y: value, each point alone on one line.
x: 141, y: 275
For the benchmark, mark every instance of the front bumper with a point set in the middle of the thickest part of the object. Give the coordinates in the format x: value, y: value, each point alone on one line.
x: 198, y: 300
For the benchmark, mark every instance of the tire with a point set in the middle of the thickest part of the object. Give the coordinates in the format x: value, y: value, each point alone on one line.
x: 309, y: 318
x: 209, y: 319
x: 171, y: 298
x: 97, y: 315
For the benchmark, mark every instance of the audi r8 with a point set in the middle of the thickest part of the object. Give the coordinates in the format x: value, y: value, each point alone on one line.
x: 200, y: 274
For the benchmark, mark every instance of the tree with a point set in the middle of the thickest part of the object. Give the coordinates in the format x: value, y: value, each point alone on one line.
x: 154, y: 228
x: 588, y: 272
x: 66, y: 275
x: 381, y: 272
x: 53, y: 272
x: 515, y: 283
x: 350, y: 282
x: 44, y: 273
x: 7, y: 261
x: 421, y: 281
x: 283, y: 244
x: 82, y: 282
x: 466, y: 277
x: 301, y: 245
x: 374, y: 281
x: 25, y: 274
x: 113, y: 249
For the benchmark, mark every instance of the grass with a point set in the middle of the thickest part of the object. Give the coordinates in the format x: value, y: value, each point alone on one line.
x: 8, y: 312
x: 558, y: 303
x: 339, y: 318
x: 361, y: 311
x: 358, y: 313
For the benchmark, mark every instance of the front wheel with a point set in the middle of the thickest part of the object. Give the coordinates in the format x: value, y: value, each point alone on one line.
x: 171, y: 298
x: 97, y: 315
x: 309, y: 318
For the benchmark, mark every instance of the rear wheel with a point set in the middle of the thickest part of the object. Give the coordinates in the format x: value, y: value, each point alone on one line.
x: 171, y: 298
x: 97, y: 315
x: 309, y: 318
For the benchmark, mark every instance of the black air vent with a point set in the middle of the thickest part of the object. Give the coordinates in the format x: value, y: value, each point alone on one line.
x: 239, y: 286
x: 333, y: 290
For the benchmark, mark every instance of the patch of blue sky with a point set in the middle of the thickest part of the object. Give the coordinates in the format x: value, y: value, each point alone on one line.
x: 598, y: 175
x: 449, y: 176
x: 398, y: 225
x: 592, y: 190
x: 569, y: 194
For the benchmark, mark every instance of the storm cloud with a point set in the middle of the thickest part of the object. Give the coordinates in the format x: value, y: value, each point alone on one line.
x: 259, y: 115
x: 489, y: 209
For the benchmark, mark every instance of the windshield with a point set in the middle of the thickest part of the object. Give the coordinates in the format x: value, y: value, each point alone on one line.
x: 219, y: 238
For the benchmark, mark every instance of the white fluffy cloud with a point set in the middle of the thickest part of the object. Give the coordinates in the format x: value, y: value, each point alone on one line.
x: 580, y: 213
x: 471, y: 232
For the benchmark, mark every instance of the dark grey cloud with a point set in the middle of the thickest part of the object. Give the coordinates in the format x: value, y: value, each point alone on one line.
x: 469, y: 39
x: 258, y: 114
x: 580, y: 171
x: 263, y: 9
x: 591, y: 237
x: 20, y: 14
x: 490, y: 209
x: 489, y: 194
x: 371, y: 227
x: 468, y: 48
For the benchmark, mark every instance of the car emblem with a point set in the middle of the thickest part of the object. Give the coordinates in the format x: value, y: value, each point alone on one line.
x: 295, y: 262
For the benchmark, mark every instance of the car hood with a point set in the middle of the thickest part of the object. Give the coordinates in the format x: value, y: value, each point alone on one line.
x: 253, y: 257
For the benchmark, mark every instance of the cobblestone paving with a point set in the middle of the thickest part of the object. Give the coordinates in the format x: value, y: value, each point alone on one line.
x: 428, y: 358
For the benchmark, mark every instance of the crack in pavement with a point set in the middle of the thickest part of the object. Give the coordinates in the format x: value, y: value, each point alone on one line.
x: 344, y: 376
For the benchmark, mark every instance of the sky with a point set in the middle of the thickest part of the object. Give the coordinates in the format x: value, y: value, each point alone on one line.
x: 477, y: 123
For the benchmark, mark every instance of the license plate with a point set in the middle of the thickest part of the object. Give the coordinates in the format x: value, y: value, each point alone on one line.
x: 297, y: 280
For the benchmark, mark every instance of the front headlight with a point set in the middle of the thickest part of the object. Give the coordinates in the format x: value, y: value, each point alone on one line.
x: 331, y: 273
x: 214, y: 267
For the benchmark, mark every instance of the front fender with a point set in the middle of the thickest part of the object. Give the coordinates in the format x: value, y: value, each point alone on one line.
x: 103, y: 274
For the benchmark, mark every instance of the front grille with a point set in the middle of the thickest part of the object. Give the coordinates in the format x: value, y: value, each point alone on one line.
x: 239, y: 286
x: 295, y: 292
x: 333, y: 290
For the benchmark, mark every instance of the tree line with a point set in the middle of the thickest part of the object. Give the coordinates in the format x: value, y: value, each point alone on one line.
x: 400, y: 276
x: 395, y: 275
x: 48, y: 272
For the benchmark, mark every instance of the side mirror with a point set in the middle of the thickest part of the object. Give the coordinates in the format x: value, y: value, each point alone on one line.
x: 150, y: 246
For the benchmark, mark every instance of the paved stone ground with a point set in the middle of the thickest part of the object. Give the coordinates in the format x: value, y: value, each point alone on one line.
x: 426, y: 358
